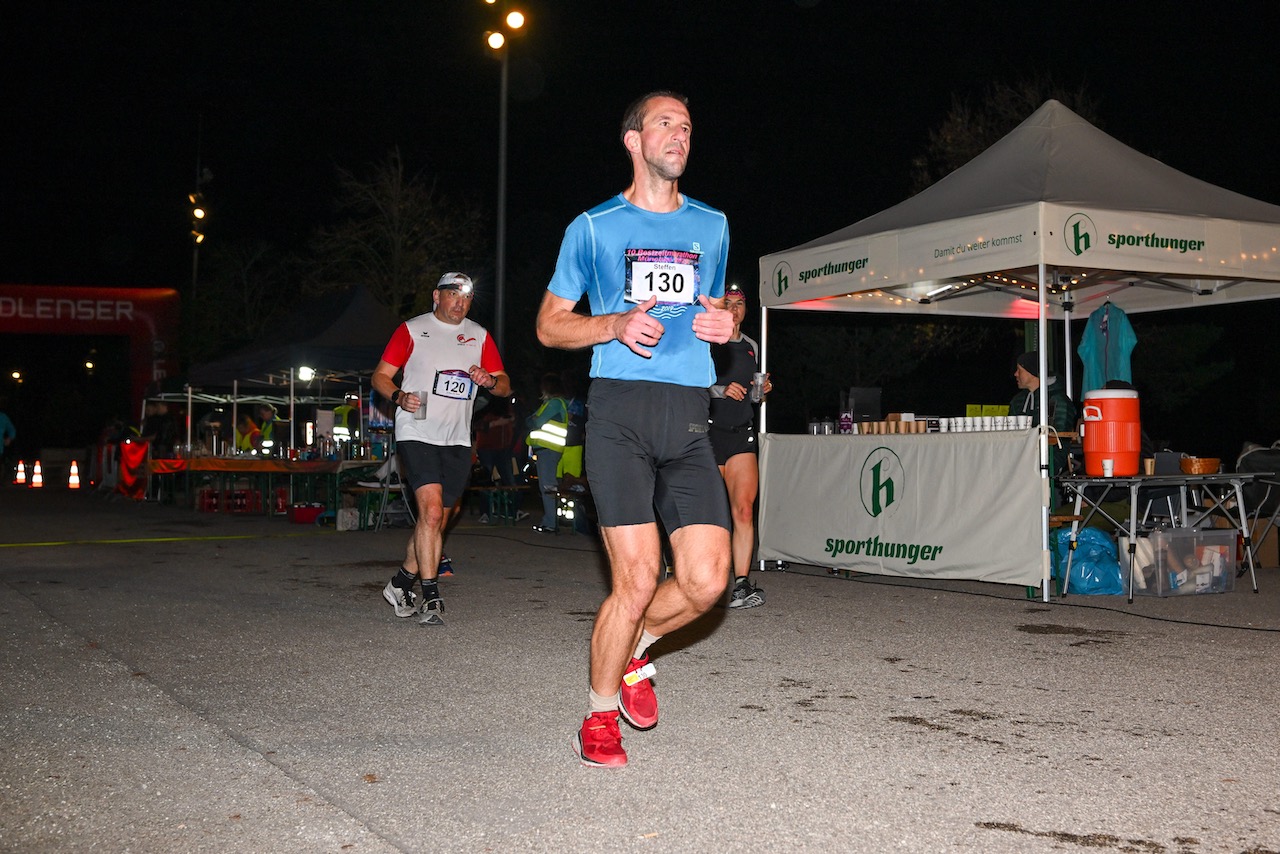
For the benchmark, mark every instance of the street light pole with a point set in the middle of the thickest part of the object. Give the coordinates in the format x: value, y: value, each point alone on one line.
x: 197, y: 209
x: 497, y: 41
x: 500, y: 273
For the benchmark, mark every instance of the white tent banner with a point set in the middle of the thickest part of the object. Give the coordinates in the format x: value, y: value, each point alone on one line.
x: 1108, y: 222
x: 960, y: 506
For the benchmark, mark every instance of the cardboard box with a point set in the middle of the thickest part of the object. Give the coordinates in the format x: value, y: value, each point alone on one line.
x: 305, y: 514
x: 1182, y: 561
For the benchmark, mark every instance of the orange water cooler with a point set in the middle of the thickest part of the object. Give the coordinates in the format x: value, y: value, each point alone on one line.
x: 1112, y: 431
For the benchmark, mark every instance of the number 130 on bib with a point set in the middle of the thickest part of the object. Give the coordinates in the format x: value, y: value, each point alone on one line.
x: 669, y: 275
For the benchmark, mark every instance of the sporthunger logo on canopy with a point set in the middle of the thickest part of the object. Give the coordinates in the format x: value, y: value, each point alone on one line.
x: 1080, y: 233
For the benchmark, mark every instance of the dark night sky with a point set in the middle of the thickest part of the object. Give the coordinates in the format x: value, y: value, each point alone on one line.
x: 806, y: 112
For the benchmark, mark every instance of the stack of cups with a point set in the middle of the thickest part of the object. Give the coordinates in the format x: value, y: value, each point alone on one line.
x: 980, y: 423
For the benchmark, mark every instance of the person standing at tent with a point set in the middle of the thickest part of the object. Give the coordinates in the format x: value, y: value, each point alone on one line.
x: 733, y: 438
x: 548, y: 429
x: 248, y: 436
x: 346, y: 425
x: 1026, y: 373
x: 268, y: 420
x: 442, y: 358
x: 7, y: 431
x: 651, y: 262
x: 571, y: 461
x: 495, y: 437
x: 7, y: 434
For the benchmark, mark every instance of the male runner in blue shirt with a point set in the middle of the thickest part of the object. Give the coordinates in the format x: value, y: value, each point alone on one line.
x: 651, y: 262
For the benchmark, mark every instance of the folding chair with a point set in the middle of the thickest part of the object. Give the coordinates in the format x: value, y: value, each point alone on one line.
x: 1262, y: 497
x: 1162, y: 502
x: 391, y: 509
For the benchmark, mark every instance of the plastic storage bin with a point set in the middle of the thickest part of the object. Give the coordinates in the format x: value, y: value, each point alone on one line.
x: 305, y: 514
x: 1182, y: 561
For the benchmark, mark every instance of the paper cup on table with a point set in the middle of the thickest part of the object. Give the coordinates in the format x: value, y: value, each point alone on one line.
x: 1108, y: 468
x: 1149, y: 466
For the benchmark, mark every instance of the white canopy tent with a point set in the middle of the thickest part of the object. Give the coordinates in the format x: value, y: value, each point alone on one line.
x: 1055, y: 192
x: 1055, y: 218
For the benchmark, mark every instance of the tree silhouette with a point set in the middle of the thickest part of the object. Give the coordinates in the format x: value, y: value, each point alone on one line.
x: 970, y: 129
x: 397, y: 235
x: 247, y: 287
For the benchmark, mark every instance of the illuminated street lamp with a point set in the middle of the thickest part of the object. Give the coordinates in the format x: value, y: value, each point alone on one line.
x: 198, y: 210
x: 513, y: 21
x: 197, y: 223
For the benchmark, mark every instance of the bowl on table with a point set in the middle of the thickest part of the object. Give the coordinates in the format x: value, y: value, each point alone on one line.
x: 1200, y: 465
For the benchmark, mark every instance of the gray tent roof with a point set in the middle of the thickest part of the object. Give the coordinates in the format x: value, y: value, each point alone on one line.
x: 1057, y: 156
x: 1104, y: 221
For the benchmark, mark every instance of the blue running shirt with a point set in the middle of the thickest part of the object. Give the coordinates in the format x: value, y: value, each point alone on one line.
x: 616, y: 249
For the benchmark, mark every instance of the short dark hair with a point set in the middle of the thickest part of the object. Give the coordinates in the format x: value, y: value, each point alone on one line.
x: 633, y: 118
x: 551, y: 385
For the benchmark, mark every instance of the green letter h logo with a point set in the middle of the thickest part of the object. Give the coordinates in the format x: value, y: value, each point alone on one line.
x: 880, y: 487
x: 1081, y: 238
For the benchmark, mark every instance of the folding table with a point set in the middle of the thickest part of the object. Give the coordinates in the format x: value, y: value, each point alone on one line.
x: 1217, y: 491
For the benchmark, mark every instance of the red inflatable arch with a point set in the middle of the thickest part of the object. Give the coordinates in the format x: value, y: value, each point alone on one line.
x: 148, y: 316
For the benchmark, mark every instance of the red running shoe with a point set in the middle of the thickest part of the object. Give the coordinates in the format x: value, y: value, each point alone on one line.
x: 636, y: 700
x: 598, y: 742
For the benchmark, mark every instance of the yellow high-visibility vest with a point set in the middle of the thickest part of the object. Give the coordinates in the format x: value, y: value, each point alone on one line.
x: 551, y: 434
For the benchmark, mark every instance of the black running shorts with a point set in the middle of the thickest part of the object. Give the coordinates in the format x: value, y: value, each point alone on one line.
x: 647, y: 449
x: 448, y: 465
x: 730, y: 443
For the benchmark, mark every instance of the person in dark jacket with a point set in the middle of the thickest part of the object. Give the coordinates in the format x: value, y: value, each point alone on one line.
x: 1062, y: 412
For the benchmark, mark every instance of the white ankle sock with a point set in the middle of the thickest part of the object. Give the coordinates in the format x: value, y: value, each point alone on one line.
x: 601, y: 704
x: 646, y: 641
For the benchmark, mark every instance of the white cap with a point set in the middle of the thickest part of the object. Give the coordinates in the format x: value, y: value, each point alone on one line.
x: 455, y: 282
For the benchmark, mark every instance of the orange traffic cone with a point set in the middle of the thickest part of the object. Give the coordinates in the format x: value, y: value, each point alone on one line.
x: 37, y: 479
x: 22, y: 473
x: 73, y: 482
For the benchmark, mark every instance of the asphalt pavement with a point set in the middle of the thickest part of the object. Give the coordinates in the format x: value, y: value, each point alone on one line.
x: 174, y: 681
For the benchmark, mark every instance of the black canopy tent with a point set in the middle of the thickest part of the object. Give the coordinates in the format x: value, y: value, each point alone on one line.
x: 337, y: 337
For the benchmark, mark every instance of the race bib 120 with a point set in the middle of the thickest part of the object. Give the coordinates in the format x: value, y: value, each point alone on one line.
x: 454, y: 384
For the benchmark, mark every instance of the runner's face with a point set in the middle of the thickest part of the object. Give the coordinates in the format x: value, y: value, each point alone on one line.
x: 664, y: 139
x: 452, y: 306
x: 736, y: 306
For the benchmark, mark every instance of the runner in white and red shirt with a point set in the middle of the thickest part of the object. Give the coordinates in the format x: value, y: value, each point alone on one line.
x: 442, y: 359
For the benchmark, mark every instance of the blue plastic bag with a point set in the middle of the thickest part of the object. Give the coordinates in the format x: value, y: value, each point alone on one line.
x: 1095, y: 567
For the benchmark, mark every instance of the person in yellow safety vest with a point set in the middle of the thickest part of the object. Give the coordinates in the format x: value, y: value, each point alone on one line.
x: 248, y: 436
x: 267, y: 419
x: 571, y: 462
x: 548, y: 428
x: 346, y: 419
